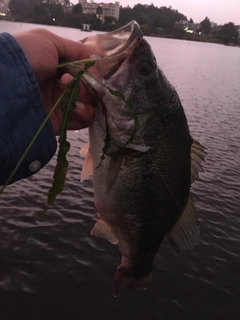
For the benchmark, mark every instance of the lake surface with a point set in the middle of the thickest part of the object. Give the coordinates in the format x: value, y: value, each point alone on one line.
x: 50, y: 266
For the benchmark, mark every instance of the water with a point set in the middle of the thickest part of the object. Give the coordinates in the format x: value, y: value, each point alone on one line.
x: 51, y: 268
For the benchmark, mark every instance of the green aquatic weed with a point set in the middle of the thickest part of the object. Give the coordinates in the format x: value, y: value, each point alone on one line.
x: 68, y: 103
x: 133, y: 113
x: 32, y: 142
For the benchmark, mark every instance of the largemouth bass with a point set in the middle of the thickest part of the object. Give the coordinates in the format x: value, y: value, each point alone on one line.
x: 141, y: 155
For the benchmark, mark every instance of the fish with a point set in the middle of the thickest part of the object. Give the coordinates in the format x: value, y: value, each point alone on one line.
x: 141, y: 155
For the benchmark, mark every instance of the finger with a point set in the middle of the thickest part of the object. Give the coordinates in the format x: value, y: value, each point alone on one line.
x: 82, y: 116
x: 64, y: 80
x: 72, y: 50
x: 85, y: 94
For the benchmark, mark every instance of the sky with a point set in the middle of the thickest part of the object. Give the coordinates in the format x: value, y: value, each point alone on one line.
x: 219, y: 11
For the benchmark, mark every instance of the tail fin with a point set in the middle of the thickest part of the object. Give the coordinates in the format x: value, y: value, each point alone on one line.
x: 124, y: 283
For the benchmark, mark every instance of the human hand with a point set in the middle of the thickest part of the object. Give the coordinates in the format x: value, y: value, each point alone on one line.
x: 44, y: 49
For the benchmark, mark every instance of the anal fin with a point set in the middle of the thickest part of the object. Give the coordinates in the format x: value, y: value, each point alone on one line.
x: 103, y: 229
x: 185, y: 233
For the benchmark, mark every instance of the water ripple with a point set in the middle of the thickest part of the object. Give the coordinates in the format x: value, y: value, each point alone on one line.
x: 50, y: 261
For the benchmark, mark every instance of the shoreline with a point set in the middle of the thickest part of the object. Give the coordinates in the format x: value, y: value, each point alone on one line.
x: 183, y: 36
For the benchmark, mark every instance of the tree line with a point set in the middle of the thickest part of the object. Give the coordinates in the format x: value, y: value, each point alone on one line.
x: 153, y: 20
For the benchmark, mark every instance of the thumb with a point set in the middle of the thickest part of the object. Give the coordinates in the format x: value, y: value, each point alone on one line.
x: 72, y: 50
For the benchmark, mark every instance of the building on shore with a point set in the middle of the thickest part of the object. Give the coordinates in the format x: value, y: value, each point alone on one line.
x: 86, y: 27
x: 4, y: 8
x: 192, y: 27
x: 187, y: 26
x: 238, y: 30
x: 101, y: 10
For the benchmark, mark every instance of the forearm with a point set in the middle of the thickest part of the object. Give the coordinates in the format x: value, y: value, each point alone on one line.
x: 21, y: 114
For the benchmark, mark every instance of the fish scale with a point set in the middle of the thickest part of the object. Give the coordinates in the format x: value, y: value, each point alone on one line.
x: 141, y: 179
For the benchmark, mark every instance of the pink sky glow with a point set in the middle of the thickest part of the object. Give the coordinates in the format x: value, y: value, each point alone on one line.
x: 219, y: 11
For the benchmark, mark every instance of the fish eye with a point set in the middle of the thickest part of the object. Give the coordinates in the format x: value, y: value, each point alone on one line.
x: 145, y: 68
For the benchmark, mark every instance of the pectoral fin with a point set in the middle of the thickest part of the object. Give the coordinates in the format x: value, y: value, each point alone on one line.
x: 87, y: 168
x: 197, y: 156
x: 185, y: 233
x: 84, y: 150
x: 103, y: 229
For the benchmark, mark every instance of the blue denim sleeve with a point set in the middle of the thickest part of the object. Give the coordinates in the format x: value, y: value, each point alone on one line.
x: 21, y: 114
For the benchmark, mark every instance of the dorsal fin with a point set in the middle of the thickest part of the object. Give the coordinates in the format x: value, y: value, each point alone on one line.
x: 103, y: 229
x: 197, y: 156
x: 185, y: 233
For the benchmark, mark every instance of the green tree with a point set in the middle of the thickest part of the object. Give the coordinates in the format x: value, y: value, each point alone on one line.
x: 164, y: 21
x: 191, y: 20
x: 109, y: 23
x: 50, y: 14
x: 18, y: 9
x: 151, y: 16
x: 39, y: 10
x: 125, y: 15
x: 94, y: 21
x: 77, y: 9
x: 99, y: 10
x: 229, y: 33
x: 23, y: 9
x: 56, y: 11
x: 206, y: 26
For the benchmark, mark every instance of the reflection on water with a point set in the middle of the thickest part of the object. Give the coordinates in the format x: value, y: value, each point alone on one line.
x: 51, y: 268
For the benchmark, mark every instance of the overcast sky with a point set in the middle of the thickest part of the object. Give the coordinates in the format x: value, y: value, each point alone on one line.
x: 219, y: 11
